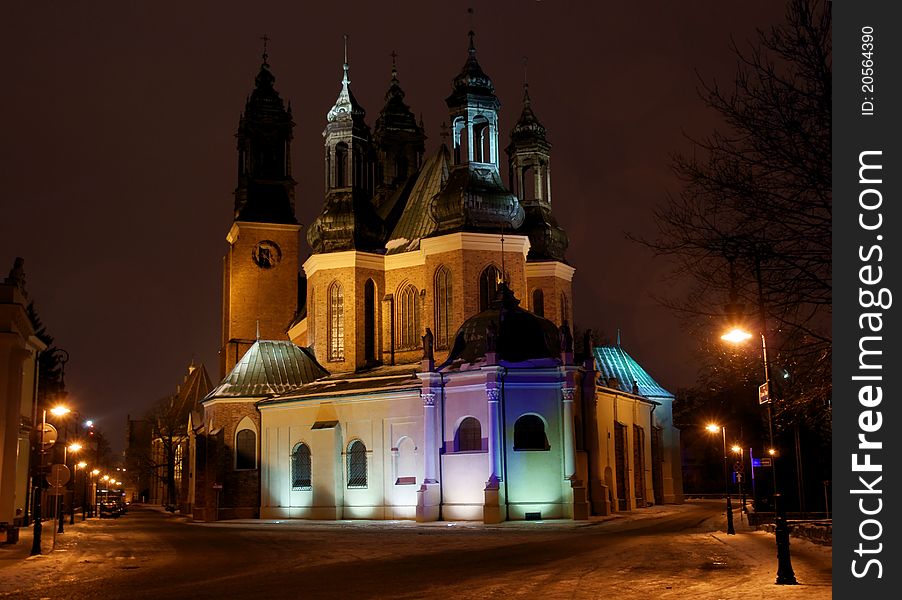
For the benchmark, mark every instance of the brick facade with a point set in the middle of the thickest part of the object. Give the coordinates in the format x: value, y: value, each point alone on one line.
x: 252, y: 293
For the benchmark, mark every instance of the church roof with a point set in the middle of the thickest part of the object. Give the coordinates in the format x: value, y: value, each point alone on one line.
x: 192, y: 391
x: 621, y: 370
x: 415, y: 222
x: 528, y: 127
x: 269, y: 367
x: 472, y: 81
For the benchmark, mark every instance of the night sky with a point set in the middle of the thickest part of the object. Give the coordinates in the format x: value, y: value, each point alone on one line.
x: 118, y: 160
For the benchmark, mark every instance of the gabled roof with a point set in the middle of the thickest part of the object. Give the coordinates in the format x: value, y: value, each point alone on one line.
x: 613, y: 363
x: 192, y: 391
x: 269, y: 367
x: 415, y: 222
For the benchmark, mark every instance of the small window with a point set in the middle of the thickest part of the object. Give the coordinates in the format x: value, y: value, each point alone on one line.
x: 246, y: 449
x: 356, y: 464
x: 529, y: 434
x: 538, y: 302
x: 468, y: 437
x: 301, y: 467
x: 488, y: 286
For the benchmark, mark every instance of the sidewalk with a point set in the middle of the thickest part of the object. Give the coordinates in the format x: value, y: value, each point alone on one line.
x: 13, y: 554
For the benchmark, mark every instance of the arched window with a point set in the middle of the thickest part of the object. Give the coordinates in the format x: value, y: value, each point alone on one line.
x: 482, y: 148
x: 528, y: 193
x: 488, y: 286
x: 443, y: 307
x: 356, y: 464
x: 341, y: 165
x: 406, y: 466
x: 408, y: 317
x: 301, y: 467
x: 336, y: 317
x: 369, y: 321
x: 538, y: 302
x: 246, y: 449
x: 565, y: 308
x: 529, y: 433
x: 468, y: 437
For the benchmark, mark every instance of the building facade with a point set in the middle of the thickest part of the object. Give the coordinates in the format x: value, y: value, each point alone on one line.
x: 422, y: 366
x: 19, y: 350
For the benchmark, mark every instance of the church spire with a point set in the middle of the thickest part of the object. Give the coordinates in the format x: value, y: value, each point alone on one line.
x: 265, y: 190
x: 475, y: 198
x: 529, y: 161
x: 349, y: 220
x: 398, y: 138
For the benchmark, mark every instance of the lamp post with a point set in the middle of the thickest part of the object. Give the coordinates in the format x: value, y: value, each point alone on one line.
x: 74, y: 448
x: 91, y: 506
x: 714, y: 428
x: 785, y: 573
x: 740, y: 472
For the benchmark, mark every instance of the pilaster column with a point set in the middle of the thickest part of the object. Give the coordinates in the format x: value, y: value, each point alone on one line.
x: 569, y: 440
x: 493, y: 395
x: 429, y: 436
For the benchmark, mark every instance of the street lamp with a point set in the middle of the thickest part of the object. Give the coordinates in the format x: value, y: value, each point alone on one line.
x: 93, y: 503
x: 785, y: 573
x: 714, y: 428
x: 84, y: 489
x: 74, y: 447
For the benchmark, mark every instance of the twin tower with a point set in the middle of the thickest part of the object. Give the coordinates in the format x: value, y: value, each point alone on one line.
x: 404, y: 241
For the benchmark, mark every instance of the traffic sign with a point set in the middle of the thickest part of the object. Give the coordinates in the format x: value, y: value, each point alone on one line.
x: 59, y: 476
x: 766, y: 462
x: 764, y: 393
x: 49, y: 436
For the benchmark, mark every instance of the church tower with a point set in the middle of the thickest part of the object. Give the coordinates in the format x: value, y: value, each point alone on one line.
x: 260, y: 268
x: 398, y: 139
x: 348, y: 220
x: 473, y: 110
x: 549, y: 277
x: 345, y: 273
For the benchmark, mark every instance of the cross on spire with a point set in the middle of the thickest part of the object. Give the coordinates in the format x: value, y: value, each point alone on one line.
x: 394, y: 65
x: 265, y: 39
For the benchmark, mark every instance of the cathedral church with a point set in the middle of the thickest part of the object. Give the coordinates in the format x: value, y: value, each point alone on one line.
x: 420, y: 363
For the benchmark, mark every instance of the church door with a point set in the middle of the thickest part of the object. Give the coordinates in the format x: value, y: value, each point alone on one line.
x: 623, y: 490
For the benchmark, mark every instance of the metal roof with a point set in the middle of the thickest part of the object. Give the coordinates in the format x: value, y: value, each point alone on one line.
x: 613, y: 363
x: 415, y: 222
x: 269, y: 367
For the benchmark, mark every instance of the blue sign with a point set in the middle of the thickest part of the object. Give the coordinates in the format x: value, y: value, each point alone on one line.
x: 756, y: 462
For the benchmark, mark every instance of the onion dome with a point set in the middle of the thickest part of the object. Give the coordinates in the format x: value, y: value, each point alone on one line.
x: 516, y: 335
x: 475, y: 199
x: 396, y: 115
x: 472, y: 81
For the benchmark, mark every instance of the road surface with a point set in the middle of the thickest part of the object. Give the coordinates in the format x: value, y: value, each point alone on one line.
x: 662, y: 552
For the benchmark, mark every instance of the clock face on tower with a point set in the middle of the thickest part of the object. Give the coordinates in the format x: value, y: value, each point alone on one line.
x: 267, y: 254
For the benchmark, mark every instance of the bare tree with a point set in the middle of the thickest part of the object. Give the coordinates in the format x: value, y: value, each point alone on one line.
x: 752, y: 224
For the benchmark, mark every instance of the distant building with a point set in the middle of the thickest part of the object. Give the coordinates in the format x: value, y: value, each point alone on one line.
x: 399, y: 376
x: 158, y: 449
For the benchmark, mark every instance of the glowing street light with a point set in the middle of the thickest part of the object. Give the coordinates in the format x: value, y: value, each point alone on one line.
x: 737, y: 335
x: 714, y: 428
x: 60, y: 410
